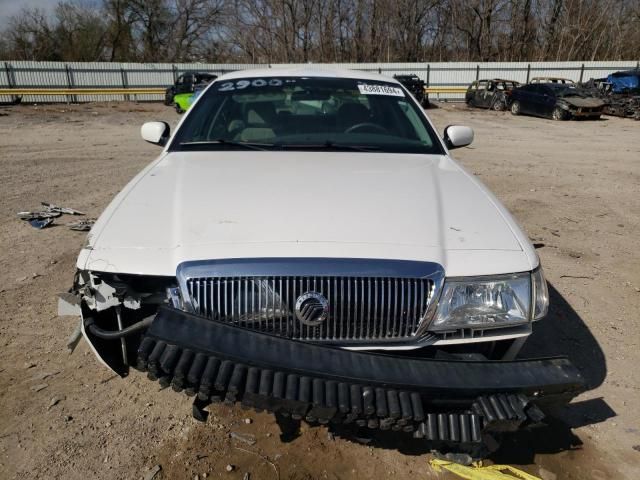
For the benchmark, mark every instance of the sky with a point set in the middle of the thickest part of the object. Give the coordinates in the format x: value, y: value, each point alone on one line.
x: 13, y: 7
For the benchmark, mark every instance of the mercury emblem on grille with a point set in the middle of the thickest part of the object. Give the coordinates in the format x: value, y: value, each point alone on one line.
x: 312, y: 308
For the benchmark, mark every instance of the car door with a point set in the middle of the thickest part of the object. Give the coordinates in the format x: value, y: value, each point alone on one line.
x: 524, y: 96
x: 547, y: 101
x: 487, y: 101
x: 471, y: 92
x: 481, y: 94
x: 536, y: 103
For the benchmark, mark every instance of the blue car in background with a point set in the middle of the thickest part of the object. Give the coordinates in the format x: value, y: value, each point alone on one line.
x: 620, y: 91
x: 625, y: 82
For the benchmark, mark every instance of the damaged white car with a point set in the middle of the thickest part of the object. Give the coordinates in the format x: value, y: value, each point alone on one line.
x: 305, y: 244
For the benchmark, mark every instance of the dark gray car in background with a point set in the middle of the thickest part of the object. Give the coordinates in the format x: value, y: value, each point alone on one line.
x: 493, y: 94
x: 556, y: 101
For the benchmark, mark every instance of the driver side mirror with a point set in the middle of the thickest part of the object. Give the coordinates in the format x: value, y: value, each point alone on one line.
x: 157, y: 133
x: 456, y: 136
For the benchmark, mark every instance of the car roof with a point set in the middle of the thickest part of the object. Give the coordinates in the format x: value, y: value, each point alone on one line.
x: 560, y: 85
x: 496, y: 80
x: 626, y: 73
x: 306, y: 71
x: 550, y: 79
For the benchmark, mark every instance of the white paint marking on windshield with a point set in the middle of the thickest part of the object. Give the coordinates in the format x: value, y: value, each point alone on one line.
x: 367, y: 89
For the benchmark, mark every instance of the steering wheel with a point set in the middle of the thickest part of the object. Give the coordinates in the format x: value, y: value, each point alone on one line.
x: 373, y: 126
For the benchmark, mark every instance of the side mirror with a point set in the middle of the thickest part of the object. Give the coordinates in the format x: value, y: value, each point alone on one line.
x: 156, y: 132
x: 456, y: 136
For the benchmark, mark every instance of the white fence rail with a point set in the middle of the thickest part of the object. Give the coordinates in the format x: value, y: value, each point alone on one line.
x: 24, y: 74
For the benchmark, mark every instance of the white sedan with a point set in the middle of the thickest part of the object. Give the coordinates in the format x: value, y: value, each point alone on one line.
x: 297, y: 222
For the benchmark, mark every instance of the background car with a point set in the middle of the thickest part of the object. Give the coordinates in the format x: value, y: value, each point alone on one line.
x: 416, y: 86
x: 183, y: 101
x: 556, y: 101
x: 620, y: 92
x: 560, y: 80
x: 186, y: 83
x: 494, y: 94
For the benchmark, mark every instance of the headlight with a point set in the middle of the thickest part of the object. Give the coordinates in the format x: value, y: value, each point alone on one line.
x: 540, y: 294
x: 486, y: 302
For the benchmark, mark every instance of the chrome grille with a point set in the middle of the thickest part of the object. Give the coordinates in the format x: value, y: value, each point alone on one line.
x: 360, y: 308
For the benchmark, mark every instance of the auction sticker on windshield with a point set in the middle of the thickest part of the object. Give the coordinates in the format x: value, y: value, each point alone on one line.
x: 367, y: 89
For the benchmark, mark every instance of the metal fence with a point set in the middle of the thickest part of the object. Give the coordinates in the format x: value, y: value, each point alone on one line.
x: 78, y: 75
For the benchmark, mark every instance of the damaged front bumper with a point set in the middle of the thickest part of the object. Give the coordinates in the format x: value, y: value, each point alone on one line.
x: 453, y: 403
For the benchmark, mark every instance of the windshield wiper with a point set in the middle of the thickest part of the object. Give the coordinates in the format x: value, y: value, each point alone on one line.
x: 233, y: 143
x: 328, y: 144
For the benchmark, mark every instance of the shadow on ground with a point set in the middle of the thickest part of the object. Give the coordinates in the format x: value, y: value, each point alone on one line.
x: 562, y: 333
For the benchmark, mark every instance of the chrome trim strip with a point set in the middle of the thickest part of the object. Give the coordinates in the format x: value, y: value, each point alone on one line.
x: 314, y: 266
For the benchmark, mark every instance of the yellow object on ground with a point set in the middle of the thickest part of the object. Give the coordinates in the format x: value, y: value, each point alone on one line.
x: 490, y: 472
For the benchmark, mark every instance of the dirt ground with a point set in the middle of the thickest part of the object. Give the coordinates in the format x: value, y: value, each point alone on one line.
x: 574, y: 186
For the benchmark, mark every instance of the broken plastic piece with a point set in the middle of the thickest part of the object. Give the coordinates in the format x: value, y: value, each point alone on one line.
x: 490, y: 472
x: 50, y: 207
x: 40, y: 223
x: 82, y: 225
x: 37, y: 215
x: 69, y: 304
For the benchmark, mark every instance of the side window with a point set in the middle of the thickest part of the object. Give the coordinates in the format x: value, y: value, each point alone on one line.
x: 482, y: 86
x: 415, y: 124
x: 474, y: 86
x: 180, y: 80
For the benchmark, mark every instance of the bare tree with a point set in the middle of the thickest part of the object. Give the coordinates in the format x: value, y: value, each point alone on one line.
x: 274, y: 31
x: 80, y: 32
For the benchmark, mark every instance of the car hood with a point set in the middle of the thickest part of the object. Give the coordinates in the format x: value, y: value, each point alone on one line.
x: 213, y: 205
x: 582, y: 102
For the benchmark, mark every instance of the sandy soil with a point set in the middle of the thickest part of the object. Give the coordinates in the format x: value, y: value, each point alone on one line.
x: 574, y: 186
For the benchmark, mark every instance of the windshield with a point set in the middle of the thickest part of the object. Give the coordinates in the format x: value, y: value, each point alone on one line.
x: 306, y: 113
x: 567, y: 90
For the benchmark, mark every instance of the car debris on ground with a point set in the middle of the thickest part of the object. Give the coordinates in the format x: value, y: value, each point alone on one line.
x: 244, y: 437
x: 45, y: 216
x: 50, y: 207
x: 151, y: 474
x: 82, y: 225
x: 479, y: 472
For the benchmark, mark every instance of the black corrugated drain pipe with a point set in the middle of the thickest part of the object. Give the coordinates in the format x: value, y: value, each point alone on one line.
x: 89, y: 324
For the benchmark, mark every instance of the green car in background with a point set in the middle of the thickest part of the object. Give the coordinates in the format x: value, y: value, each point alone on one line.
x: 183, y: 101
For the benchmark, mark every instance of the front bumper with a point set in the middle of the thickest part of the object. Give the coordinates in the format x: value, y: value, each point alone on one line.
x: 586, y: 113
x: 459, y: 402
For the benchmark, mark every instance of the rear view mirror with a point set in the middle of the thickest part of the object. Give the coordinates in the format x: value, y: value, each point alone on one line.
x: 156, y: 132
x: 456, y: 136
x: 310, y: 96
